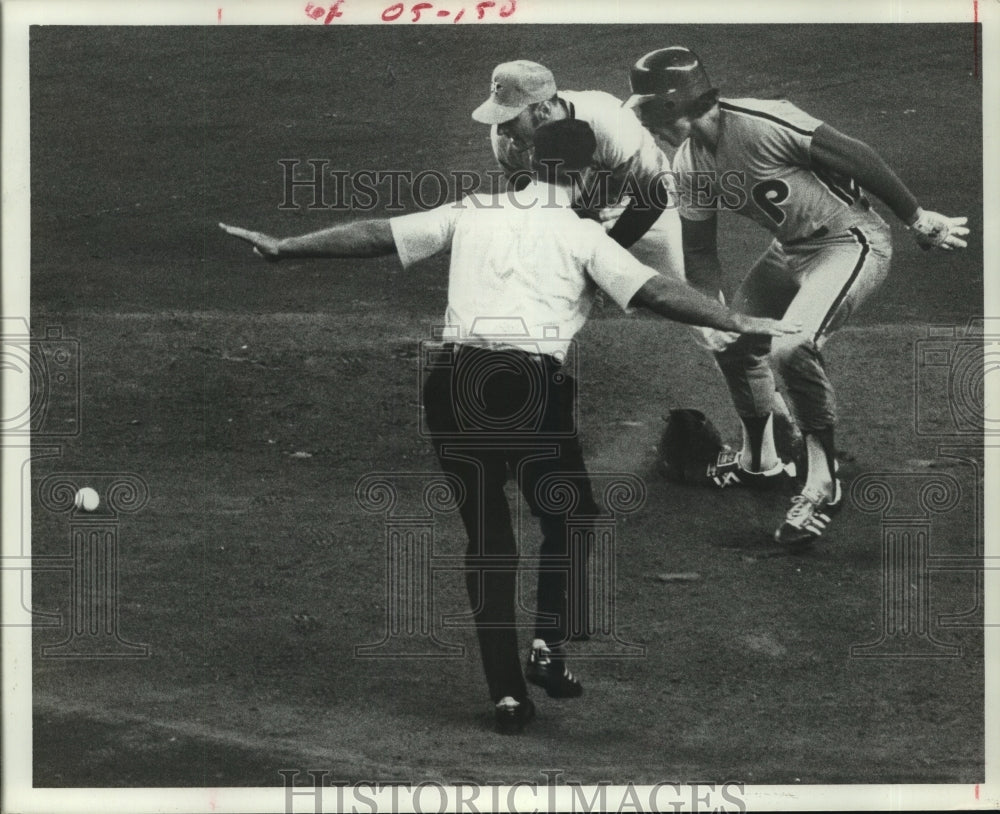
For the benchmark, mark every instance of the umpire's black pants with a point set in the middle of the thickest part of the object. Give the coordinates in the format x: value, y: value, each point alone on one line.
x: 490, y: 412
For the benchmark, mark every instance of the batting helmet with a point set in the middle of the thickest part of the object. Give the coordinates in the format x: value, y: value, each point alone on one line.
x: 674, y: 75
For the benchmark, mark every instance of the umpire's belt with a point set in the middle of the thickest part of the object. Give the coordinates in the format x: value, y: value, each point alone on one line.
x: 472, y: 346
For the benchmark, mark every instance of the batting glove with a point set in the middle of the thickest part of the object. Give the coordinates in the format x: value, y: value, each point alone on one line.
x: 933, y: 230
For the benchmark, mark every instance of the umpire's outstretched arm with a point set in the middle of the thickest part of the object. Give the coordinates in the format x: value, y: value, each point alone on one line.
x: 361, y: 238
x: 665, y: 296
x: 680, y: 302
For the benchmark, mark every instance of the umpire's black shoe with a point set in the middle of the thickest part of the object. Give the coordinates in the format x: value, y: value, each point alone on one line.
x: 547, y: 668
x: 512, y: 716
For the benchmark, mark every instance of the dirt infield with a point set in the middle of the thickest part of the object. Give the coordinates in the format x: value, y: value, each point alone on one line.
x: 251, y: 400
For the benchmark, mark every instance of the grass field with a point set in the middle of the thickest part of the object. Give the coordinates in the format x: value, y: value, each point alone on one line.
x: 204, y: 373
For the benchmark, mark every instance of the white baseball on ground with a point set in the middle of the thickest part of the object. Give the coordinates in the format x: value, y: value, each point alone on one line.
x: 87, y: 499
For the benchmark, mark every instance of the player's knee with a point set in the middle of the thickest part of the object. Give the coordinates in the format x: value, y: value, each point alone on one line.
x: 746, y: 351
x: 792, y: 352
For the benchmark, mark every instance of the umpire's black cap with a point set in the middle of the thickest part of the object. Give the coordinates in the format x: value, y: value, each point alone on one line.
x: 568, y: 143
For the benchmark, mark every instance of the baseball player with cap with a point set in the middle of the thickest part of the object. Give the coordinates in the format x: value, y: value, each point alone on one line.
x: 523, y: 95
x: 526, y: 259
x: 633, y: 191
x: 807, y: 184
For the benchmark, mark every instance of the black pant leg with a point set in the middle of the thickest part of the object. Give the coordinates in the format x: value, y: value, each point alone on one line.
x: 491, y: 564
x: 491, y: 556
x: 563, y: 574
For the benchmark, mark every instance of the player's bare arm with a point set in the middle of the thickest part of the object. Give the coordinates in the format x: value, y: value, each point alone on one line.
x: 702, y: 266
x: 680, y: 302
x: 703, y: 269
x: 833, y: 150
x: 363, y: 238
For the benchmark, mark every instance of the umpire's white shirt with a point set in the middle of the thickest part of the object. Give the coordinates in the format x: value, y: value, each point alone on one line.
x: 523, y: 266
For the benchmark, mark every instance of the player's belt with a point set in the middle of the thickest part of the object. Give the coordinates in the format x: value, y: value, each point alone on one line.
x: 821, y: 232
x: 841, y: 223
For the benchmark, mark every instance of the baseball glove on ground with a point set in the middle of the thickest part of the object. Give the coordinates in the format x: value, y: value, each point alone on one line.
x: 689, y: 443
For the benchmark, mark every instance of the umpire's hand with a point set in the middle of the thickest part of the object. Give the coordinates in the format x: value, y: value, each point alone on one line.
x: 263, y: 245
x: 764, y: 326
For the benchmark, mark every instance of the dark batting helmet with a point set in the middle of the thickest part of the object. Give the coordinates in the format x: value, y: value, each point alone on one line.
x: 674, y: 76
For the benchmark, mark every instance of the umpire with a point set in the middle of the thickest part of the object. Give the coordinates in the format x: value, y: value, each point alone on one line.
x: 521, y: 284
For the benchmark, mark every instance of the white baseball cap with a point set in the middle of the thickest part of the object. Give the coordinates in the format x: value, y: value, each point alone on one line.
x: 514, y: 86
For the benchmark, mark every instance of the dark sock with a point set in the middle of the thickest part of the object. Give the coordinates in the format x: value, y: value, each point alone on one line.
x: 755, y: 429
x: 825, y: 437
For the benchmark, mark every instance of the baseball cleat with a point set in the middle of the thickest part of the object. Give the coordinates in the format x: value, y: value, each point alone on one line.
x: 808, y: 517
x: 512, y: 716
x: 547, y: 669
x: 728, y: 471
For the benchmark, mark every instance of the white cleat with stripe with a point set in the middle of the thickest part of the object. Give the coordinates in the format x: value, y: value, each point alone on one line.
x: 809, y: 517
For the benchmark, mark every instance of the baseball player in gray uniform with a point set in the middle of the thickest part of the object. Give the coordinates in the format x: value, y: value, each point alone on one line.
x: 808, y: 185
x: 523, y: 258
x: 632, y: 193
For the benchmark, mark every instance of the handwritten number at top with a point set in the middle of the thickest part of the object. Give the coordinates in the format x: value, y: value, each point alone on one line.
x: 417, y: 11
x: 395, y: 11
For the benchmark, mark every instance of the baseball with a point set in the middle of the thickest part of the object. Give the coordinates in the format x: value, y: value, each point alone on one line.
x: 87, y: 499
